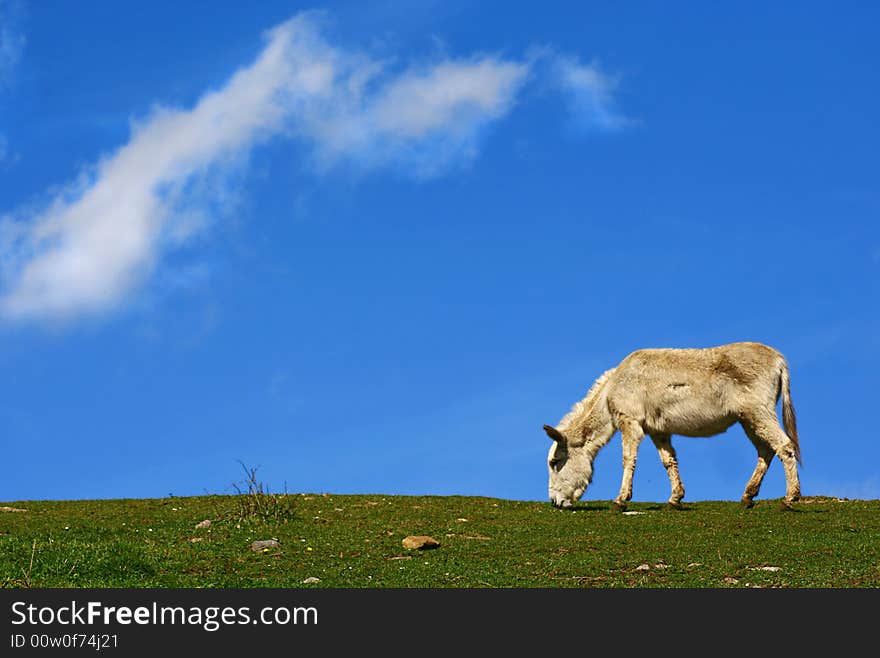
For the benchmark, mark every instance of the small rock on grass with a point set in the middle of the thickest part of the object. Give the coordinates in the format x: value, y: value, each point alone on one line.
x: 260, y: 545
x: 311, y: 580
x: 419, y: 542
x: 203, y: 524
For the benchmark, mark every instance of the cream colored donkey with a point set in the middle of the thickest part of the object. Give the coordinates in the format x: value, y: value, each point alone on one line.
x: 691, y: 392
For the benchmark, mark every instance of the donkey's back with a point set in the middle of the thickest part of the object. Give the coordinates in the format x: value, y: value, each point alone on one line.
x: 739, y: 363
x: 696, y: 391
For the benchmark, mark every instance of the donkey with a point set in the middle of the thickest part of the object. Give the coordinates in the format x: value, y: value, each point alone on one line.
x: 690, y: 392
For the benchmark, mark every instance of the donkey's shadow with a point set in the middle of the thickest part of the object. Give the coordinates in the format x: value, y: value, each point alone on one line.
x: 607, y: 507
x: 662, y: 507
x: 588, y: 507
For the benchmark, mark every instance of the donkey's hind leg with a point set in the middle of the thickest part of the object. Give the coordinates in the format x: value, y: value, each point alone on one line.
x: 663, y: 443
x: 766, y: 427
x: 765, y: 456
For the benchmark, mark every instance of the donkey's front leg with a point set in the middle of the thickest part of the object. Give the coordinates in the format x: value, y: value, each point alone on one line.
x: 663, y: 443
x: 632, y: 435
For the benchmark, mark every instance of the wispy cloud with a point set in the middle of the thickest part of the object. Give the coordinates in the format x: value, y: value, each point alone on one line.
x: 590, y: 94
x: 867, y: 489
x: 424, y: 119
x: 11, y: 42
x: 86, y: 248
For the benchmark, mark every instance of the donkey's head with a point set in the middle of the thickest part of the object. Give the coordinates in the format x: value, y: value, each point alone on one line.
x: 571, y: 468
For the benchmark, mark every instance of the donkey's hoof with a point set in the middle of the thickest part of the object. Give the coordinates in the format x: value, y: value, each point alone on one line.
x: 747, y: 503
x: 618, y: 507
x: 673, y: 506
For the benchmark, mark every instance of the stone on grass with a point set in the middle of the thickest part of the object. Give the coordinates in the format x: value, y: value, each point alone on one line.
x: 420, y: 542
x: 203, y: 524
x: 311, y: 580
x: 260, y: 545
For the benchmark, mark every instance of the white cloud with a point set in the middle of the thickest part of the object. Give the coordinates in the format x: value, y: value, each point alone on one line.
x: 98, y: 238
x: 11, y: 43
x: 590, y: 93
x: 90, y: 245
x: 422, y: 118
x: 867, y: 489
x: 11, y: 46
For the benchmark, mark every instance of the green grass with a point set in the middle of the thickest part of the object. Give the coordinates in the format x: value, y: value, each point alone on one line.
x: 355, y: 541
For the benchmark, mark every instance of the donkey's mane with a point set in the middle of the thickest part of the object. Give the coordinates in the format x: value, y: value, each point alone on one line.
x: 581, y: 410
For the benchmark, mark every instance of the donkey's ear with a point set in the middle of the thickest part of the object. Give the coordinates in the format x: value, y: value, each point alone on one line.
x: 554, y: 434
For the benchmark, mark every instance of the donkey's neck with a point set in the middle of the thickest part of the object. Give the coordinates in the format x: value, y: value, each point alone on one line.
x: 589, y: 421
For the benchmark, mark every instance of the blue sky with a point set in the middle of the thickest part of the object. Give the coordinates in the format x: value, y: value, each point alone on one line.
x: 374, y: 249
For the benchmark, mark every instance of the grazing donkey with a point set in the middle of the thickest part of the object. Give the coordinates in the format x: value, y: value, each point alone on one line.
x: 691, y: 392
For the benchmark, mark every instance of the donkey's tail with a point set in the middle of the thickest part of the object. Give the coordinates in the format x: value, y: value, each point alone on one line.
x: 788, y: 417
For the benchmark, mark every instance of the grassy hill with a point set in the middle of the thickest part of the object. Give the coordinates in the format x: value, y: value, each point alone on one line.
x: 356, y: 541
